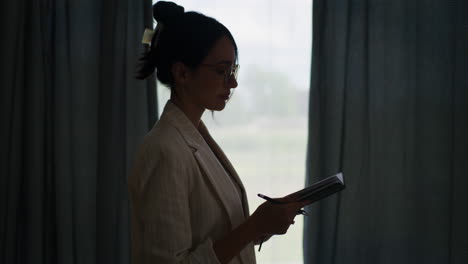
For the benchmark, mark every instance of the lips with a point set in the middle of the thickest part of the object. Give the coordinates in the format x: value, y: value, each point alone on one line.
x: 224, y: 96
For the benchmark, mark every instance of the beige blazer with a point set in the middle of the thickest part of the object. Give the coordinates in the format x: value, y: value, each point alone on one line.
x: 183, y: 195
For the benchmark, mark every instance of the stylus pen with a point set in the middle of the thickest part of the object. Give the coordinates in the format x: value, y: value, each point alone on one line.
x: 273, y: 201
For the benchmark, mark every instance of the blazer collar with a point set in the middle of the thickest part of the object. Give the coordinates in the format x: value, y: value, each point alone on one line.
x: 211, y: 159
x: 182, y: 123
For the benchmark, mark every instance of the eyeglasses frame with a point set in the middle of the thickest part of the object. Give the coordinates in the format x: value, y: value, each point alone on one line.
x: 233, y: 71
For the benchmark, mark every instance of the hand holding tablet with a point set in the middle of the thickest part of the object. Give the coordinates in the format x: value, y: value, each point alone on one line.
x: 313, y: 193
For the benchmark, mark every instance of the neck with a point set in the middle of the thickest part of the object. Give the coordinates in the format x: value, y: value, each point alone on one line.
x: 192, y: 111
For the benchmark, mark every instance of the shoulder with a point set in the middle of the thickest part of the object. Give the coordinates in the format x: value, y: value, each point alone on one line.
x: 163, y: 156
x: 163, y: 146
x: 165, y: 139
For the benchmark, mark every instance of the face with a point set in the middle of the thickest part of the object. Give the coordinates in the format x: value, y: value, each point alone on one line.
x: 207, y: 86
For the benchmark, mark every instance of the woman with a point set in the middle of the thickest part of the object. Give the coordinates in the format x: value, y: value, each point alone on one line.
x: 188, y: 203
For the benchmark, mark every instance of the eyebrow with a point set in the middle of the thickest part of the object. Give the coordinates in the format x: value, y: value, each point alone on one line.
x: 227, y: 62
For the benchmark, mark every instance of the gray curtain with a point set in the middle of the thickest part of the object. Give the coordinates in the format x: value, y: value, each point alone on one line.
x: 389, y: 108
x: 72, y: 116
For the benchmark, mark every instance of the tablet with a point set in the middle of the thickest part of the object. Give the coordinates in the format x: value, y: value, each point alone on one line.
x: 321, y: 189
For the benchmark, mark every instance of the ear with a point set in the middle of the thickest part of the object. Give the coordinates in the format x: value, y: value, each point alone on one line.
x: 181, y: 73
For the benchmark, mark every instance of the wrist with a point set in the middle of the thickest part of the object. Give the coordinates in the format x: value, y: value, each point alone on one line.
x: 230, y: 245
x: 254, y: 226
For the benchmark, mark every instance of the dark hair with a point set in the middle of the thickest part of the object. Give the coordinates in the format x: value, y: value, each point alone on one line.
x: 185, y: 37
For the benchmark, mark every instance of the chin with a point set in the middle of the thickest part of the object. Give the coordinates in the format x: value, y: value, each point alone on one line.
x: 217, y: 106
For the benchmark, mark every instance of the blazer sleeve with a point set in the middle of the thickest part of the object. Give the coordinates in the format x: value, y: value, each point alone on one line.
x: 162, y: 210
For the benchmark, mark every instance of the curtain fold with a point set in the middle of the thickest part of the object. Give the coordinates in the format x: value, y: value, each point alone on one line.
x: 72, y: 116
x: 388, y: 107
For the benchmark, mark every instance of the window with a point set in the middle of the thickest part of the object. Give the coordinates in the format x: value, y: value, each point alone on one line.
x: 263, y: 129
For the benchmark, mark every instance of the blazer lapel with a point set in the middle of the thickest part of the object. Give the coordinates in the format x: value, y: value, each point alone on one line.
x: 227, y: 165
x: 248, y: 254
x: 223, y: 186
x: 208, y: 162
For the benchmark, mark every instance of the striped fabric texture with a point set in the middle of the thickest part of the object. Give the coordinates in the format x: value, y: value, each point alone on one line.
x: 185, y: 194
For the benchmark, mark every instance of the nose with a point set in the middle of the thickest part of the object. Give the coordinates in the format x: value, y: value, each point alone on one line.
x: 232, y: 82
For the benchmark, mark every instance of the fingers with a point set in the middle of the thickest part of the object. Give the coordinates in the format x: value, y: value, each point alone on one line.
x: 301, y: 204
x: 302, y: 212
x: 290, y: 198
x: 297, y: 208
x: 276, y: 218
x: 293, y: 199
x: 284, y: 200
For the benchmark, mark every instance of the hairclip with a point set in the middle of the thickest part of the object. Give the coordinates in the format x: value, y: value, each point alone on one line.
x: 149, y: 34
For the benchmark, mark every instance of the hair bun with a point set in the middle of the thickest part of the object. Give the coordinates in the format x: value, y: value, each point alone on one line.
x: 166, y: 12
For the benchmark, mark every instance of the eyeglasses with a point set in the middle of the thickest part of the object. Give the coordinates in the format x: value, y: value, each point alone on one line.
x: 226, y: 72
